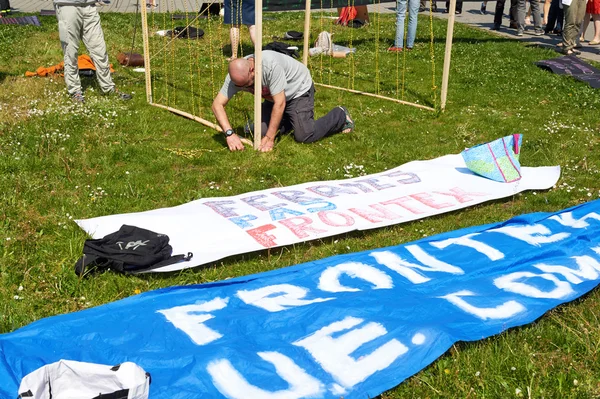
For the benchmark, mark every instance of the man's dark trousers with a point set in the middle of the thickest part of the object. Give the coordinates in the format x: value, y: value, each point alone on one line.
x: 500, y: 10
x: 299, y: 116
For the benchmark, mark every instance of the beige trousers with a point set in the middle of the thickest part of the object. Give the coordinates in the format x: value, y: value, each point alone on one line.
x: 76, y: 23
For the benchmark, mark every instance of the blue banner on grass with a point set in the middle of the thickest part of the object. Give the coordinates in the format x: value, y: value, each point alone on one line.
x: 352, y: 325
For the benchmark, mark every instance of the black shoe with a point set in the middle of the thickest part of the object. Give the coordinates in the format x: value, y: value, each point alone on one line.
x: 458, y: 12
x: 496, y: 27
x: 446, y: 11
x: 120, y: 95
x: 483, y: 8
x: 422, y: 9
x: 434, y: 9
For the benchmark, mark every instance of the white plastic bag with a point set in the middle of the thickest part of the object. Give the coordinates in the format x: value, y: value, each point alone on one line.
x: 68, y: 379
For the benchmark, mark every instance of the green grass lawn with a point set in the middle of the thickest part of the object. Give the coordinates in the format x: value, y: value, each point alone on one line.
x: 60, y: 161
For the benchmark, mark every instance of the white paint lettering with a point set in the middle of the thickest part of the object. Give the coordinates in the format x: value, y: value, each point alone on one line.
x: 333, y: 354
x: 509, y: 283
x: 467, y: 241
x: 406, y: 268
x: 276, y: 298
x: 330, y: 278
x: 233, y: 385
x: 536, y: 234
x: 503, y: 311
x: 189, y: 319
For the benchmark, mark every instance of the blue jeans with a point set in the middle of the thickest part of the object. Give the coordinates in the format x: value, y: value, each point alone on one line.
x: 413, y: 10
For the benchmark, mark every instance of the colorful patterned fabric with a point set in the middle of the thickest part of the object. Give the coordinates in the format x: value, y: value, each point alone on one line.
x: 497, y: 160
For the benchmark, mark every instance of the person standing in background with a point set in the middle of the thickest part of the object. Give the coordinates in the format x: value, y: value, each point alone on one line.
x: 574, y: 13
x: 413, y: 9
x: 79, y: 20
x: 239, y: 12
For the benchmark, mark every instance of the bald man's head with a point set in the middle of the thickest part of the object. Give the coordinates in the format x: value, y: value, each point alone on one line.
x: 241, y: 71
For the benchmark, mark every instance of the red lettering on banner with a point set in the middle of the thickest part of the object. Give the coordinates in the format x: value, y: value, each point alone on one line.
x: 402, y: 202
x: 375, y: 217
x: 325, y: 217
x: 261, y: 236
x: 429, y: 201
x: 461, y: 195
x: 302, y: 228
x: 221, y: 209
x: 261, y: 205
x: 329, y: 191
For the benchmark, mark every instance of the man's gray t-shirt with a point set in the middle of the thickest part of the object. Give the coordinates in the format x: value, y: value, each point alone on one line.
x: 280, y: 72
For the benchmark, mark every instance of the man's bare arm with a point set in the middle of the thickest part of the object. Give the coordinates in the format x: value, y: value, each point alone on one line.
x: 268, y: 141
x: 218, y: 108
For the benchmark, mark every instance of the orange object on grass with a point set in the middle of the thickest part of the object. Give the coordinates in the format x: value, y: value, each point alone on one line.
x: 83, y: 62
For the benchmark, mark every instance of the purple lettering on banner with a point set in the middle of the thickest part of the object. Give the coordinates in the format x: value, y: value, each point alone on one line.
x: 324, y: 206
x: 330, y: 191
x: 254, y: 201
x: 373, y: 182
x: 294, y: 196
x: 405, y: 177
x: 221, y: 209
x: 243, y: 221
x: 283, y: 213
x: 358, y: 185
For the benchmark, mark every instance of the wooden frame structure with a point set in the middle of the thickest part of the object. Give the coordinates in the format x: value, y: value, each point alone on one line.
x: 258, y: 69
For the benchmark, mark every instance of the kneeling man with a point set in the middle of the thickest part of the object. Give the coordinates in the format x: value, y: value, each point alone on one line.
x: 289, y: 95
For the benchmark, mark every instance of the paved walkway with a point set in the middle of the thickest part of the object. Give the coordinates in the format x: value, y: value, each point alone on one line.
x: 470, y: 15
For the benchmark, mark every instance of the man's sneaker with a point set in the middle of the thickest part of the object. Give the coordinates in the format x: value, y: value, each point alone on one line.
x: 394, y: 49
x: 78, y: 97
x: 538, y: 32
x: 120, y: 95
x: 349, y: 124
x: 482, y: 9
x: 422, y: 9
x: 519, y: 32
x: 496, y: 27
x: 513, y: 25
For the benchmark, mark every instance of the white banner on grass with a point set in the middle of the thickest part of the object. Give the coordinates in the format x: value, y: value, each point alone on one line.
x: 214, y: 228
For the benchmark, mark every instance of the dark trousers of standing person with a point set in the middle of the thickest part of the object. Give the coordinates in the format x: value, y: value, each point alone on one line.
x: 299, y: 116
x: 555, y: 18
x: 458, y: 6
x: 423, y: 5
x: 574, y: 15
x: 500, y: 12
x: 4, y: 5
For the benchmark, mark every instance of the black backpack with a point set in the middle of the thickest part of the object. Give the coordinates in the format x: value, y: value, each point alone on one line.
x: 282, y: 48
x: 189, y: 32
x: 129, y: 250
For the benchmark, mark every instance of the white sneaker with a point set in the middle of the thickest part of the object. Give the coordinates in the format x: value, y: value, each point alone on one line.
x: 324, y: 41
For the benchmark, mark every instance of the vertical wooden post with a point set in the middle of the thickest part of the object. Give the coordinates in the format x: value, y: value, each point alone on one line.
x: 142, y: 5
x: 258, y: 73
x: 306, y: 32
x: 448, y: 53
